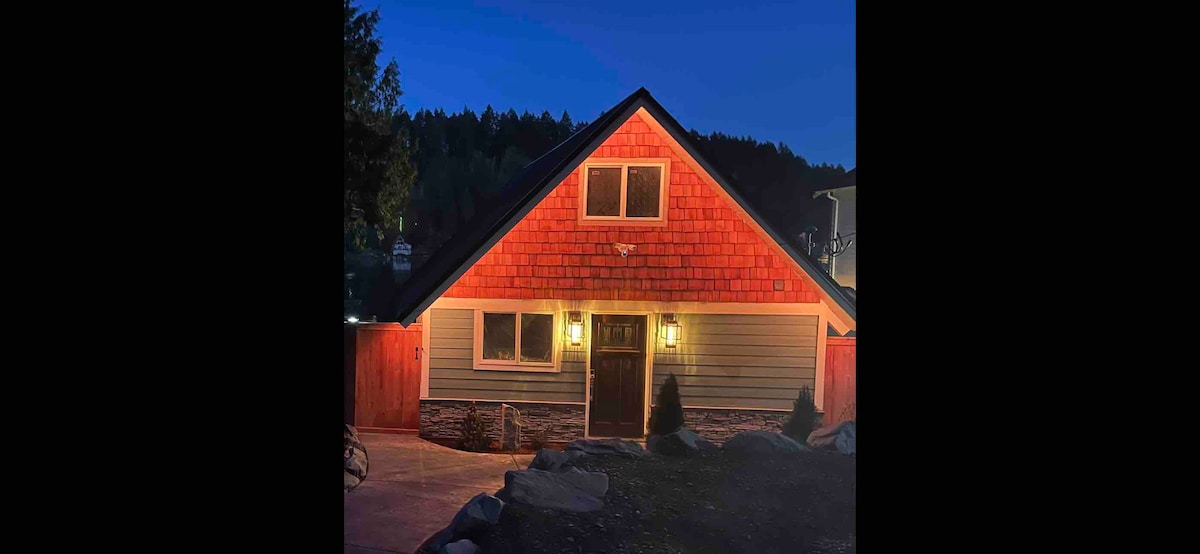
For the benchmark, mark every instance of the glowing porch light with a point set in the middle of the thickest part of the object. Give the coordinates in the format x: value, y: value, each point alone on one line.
x: 671, y: 331
x: 575, y: 328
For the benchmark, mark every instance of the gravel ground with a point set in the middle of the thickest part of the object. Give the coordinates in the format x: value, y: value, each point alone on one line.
x: 717, y: 503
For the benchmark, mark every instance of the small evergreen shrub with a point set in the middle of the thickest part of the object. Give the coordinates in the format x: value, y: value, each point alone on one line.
x: 803, y: 418
x: 538, y: 440
x: 473, y: 436
x: 667, y: 414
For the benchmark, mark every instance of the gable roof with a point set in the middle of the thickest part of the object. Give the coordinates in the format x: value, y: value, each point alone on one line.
x: 536, y: 180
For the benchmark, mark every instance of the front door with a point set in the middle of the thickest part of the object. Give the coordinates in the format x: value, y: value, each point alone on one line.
x: 618, y: 376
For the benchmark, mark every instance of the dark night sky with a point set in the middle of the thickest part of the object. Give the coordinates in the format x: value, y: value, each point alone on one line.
x: 778, y: 71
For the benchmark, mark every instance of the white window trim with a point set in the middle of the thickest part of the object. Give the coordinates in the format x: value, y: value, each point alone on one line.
x: 516, y: 365
x: 664, y: 165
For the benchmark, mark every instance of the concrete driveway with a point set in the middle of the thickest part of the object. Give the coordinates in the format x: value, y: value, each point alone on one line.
x: 413, y: 489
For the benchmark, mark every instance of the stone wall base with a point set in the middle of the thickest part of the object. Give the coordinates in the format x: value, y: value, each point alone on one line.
x: 719, y: 425
x: 562, y: 423
x: 442, y: 419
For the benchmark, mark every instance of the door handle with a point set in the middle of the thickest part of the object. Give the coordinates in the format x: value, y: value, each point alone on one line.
x: 417, y: 352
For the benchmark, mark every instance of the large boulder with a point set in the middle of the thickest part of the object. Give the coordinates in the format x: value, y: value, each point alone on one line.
x: 572, y: 489
x: 475, y: 517
x: 763, y: 442
x: 682, y: 442
x: 464, y: 546
x: 354, y: 458
x: 840, y: 436
x: 603, y: 447
x: 553, y: 460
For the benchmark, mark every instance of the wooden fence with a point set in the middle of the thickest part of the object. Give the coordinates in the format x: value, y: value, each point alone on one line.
x: 382, y: 376
x: 840, y: 377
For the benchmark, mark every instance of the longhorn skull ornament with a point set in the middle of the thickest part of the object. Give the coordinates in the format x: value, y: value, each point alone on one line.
x: 624, y: 248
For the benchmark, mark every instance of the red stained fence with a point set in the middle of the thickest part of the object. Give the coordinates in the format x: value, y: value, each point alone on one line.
x: 840, y: 373
x: 382, y: 376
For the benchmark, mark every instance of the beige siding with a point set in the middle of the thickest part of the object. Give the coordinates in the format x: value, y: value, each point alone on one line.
x: 452, y: 373
x: 845, y: 268
x: 741, y: 361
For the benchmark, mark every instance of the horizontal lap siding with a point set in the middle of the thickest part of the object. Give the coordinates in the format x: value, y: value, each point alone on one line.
x: 452, y: 373
x: 741, y: 361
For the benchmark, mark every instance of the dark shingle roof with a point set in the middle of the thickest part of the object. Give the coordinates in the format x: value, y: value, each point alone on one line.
x: 530, y: 185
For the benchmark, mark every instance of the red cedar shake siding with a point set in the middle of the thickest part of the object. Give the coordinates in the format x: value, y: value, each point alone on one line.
x: 705, y: 253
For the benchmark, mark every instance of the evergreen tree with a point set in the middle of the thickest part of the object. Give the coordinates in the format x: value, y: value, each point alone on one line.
x: 377, y: 170
x: 486, y: 135
x: 473, y: 432
x: 803, y: 418
x: 565, y: 127
x: 667, y: 414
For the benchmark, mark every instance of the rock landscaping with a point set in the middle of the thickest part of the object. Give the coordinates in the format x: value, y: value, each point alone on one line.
x: 682, y: 442
x: 354, y: 458
x: 762, y: 493
x: 553, y: 460
x: 840, y: 437
x: 570, y: 489
x: 464, y: 546
x: 605, y: 447
x: 763, y: 442
x: 473, y: 519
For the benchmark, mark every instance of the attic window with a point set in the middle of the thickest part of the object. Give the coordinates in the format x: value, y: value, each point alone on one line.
x: 624, y: 191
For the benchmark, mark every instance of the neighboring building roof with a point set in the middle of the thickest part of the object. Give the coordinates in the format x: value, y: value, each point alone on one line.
x: 535, y: 181
x: 821, y: 192
x: 850, y: 180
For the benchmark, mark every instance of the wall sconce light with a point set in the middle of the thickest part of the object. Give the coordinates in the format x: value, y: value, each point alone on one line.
x: 575, y: 328
x: 671, y: 330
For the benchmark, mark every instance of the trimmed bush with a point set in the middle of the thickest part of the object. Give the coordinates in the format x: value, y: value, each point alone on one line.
x: 473, y: 436
x: 804, y: 417
x: 538, y: 440
x: 667, y: 414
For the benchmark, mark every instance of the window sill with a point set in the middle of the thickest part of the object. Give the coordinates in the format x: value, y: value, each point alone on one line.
x: 622, y: 223
x: 484, y: 366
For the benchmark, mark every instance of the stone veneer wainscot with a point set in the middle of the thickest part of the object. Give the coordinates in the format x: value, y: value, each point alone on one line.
x: 719, y: 425
x: 442, y: 419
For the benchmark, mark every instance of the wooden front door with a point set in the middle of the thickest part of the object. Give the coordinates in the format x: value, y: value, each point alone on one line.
x: 618, y: 376
x: 387, y: 377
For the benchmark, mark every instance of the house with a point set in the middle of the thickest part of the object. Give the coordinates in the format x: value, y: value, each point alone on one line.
x: 842, y: 220
x: 617, y: 258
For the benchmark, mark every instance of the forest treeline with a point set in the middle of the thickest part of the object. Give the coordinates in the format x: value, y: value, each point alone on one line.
x: 462, y: 159
x: 426, y: 174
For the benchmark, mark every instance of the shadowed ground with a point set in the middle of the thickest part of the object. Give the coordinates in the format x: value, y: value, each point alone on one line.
x: 413, y: 489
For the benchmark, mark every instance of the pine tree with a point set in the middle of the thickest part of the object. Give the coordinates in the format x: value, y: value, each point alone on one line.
x: 474, y: 432
x: 565, y: 127
x: 378, y: 172
x: 486, y: 136
x: 667, y: 414
x: 803, y: 418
